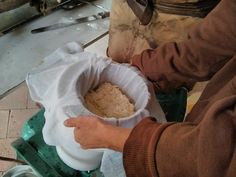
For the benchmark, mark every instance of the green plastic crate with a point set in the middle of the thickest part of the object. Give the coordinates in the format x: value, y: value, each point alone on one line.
x: 173, y: 104
x: 44, y: 159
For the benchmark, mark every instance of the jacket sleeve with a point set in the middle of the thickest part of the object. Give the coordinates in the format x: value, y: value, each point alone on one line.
x: 184, y: 149
x: 207, y: 48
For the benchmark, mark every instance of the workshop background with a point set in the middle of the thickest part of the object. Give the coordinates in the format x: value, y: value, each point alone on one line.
x: 16, y: 105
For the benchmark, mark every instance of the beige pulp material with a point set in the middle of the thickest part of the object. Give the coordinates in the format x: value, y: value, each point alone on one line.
x: 108, y: 101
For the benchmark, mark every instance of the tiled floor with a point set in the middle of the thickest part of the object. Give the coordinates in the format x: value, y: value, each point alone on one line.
x: 17, y: 107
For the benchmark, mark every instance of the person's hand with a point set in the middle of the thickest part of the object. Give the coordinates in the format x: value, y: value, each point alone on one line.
x: 91, y: 132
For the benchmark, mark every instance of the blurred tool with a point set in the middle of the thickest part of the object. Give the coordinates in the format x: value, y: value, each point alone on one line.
x: 43, y: 7
x: 100, y: 15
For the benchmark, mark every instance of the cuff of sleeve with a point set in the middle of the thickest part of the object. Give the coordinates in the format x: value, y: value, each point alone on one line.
x: 137, y: 62
x: 140, y: 148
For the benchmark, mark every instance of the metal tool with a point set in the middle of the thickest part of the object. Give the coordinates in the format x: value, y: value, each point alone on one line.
x: 36, y: 16
x: 100, y: 15
x: 12, y: 160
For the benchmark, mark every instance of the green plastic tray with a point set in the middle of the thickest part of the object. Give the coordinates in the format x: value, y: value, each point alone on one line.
x: 41, y: 157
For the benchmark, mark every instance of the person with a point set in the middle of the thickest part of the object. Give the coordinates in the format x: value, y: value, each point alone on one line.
x: 205, y: 143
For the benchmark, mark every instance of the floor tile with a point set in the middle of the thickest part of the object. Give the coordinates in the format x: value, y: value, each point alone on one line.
x: 4, y: 115
x: 16, y: 99
x: 6, y: 151
x: 17, y: 119
x: 31, y: 104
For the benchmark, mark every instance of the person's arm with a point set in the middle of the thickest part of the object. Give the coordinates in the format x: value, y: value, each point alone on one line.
x: 208, y: 47
x: 184, y: 149
x: 206, y: 146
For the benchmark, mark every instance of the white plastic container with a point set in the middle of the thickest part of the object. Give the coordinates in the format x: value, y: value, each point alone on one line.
x: 60, y: 85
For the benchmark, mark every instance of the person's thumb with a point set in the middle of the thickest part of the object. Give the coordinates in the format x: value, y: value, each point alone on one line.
x: 72, y: 122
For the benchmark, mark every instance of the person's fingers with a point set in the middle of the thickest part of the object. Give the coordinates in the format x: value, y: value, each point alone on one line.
x: 80, y: 121
x: 72, y: 122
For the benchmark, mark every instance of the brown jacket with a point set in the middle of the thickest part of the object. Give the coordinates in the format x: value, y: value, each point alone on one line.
x: 204, y: 145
